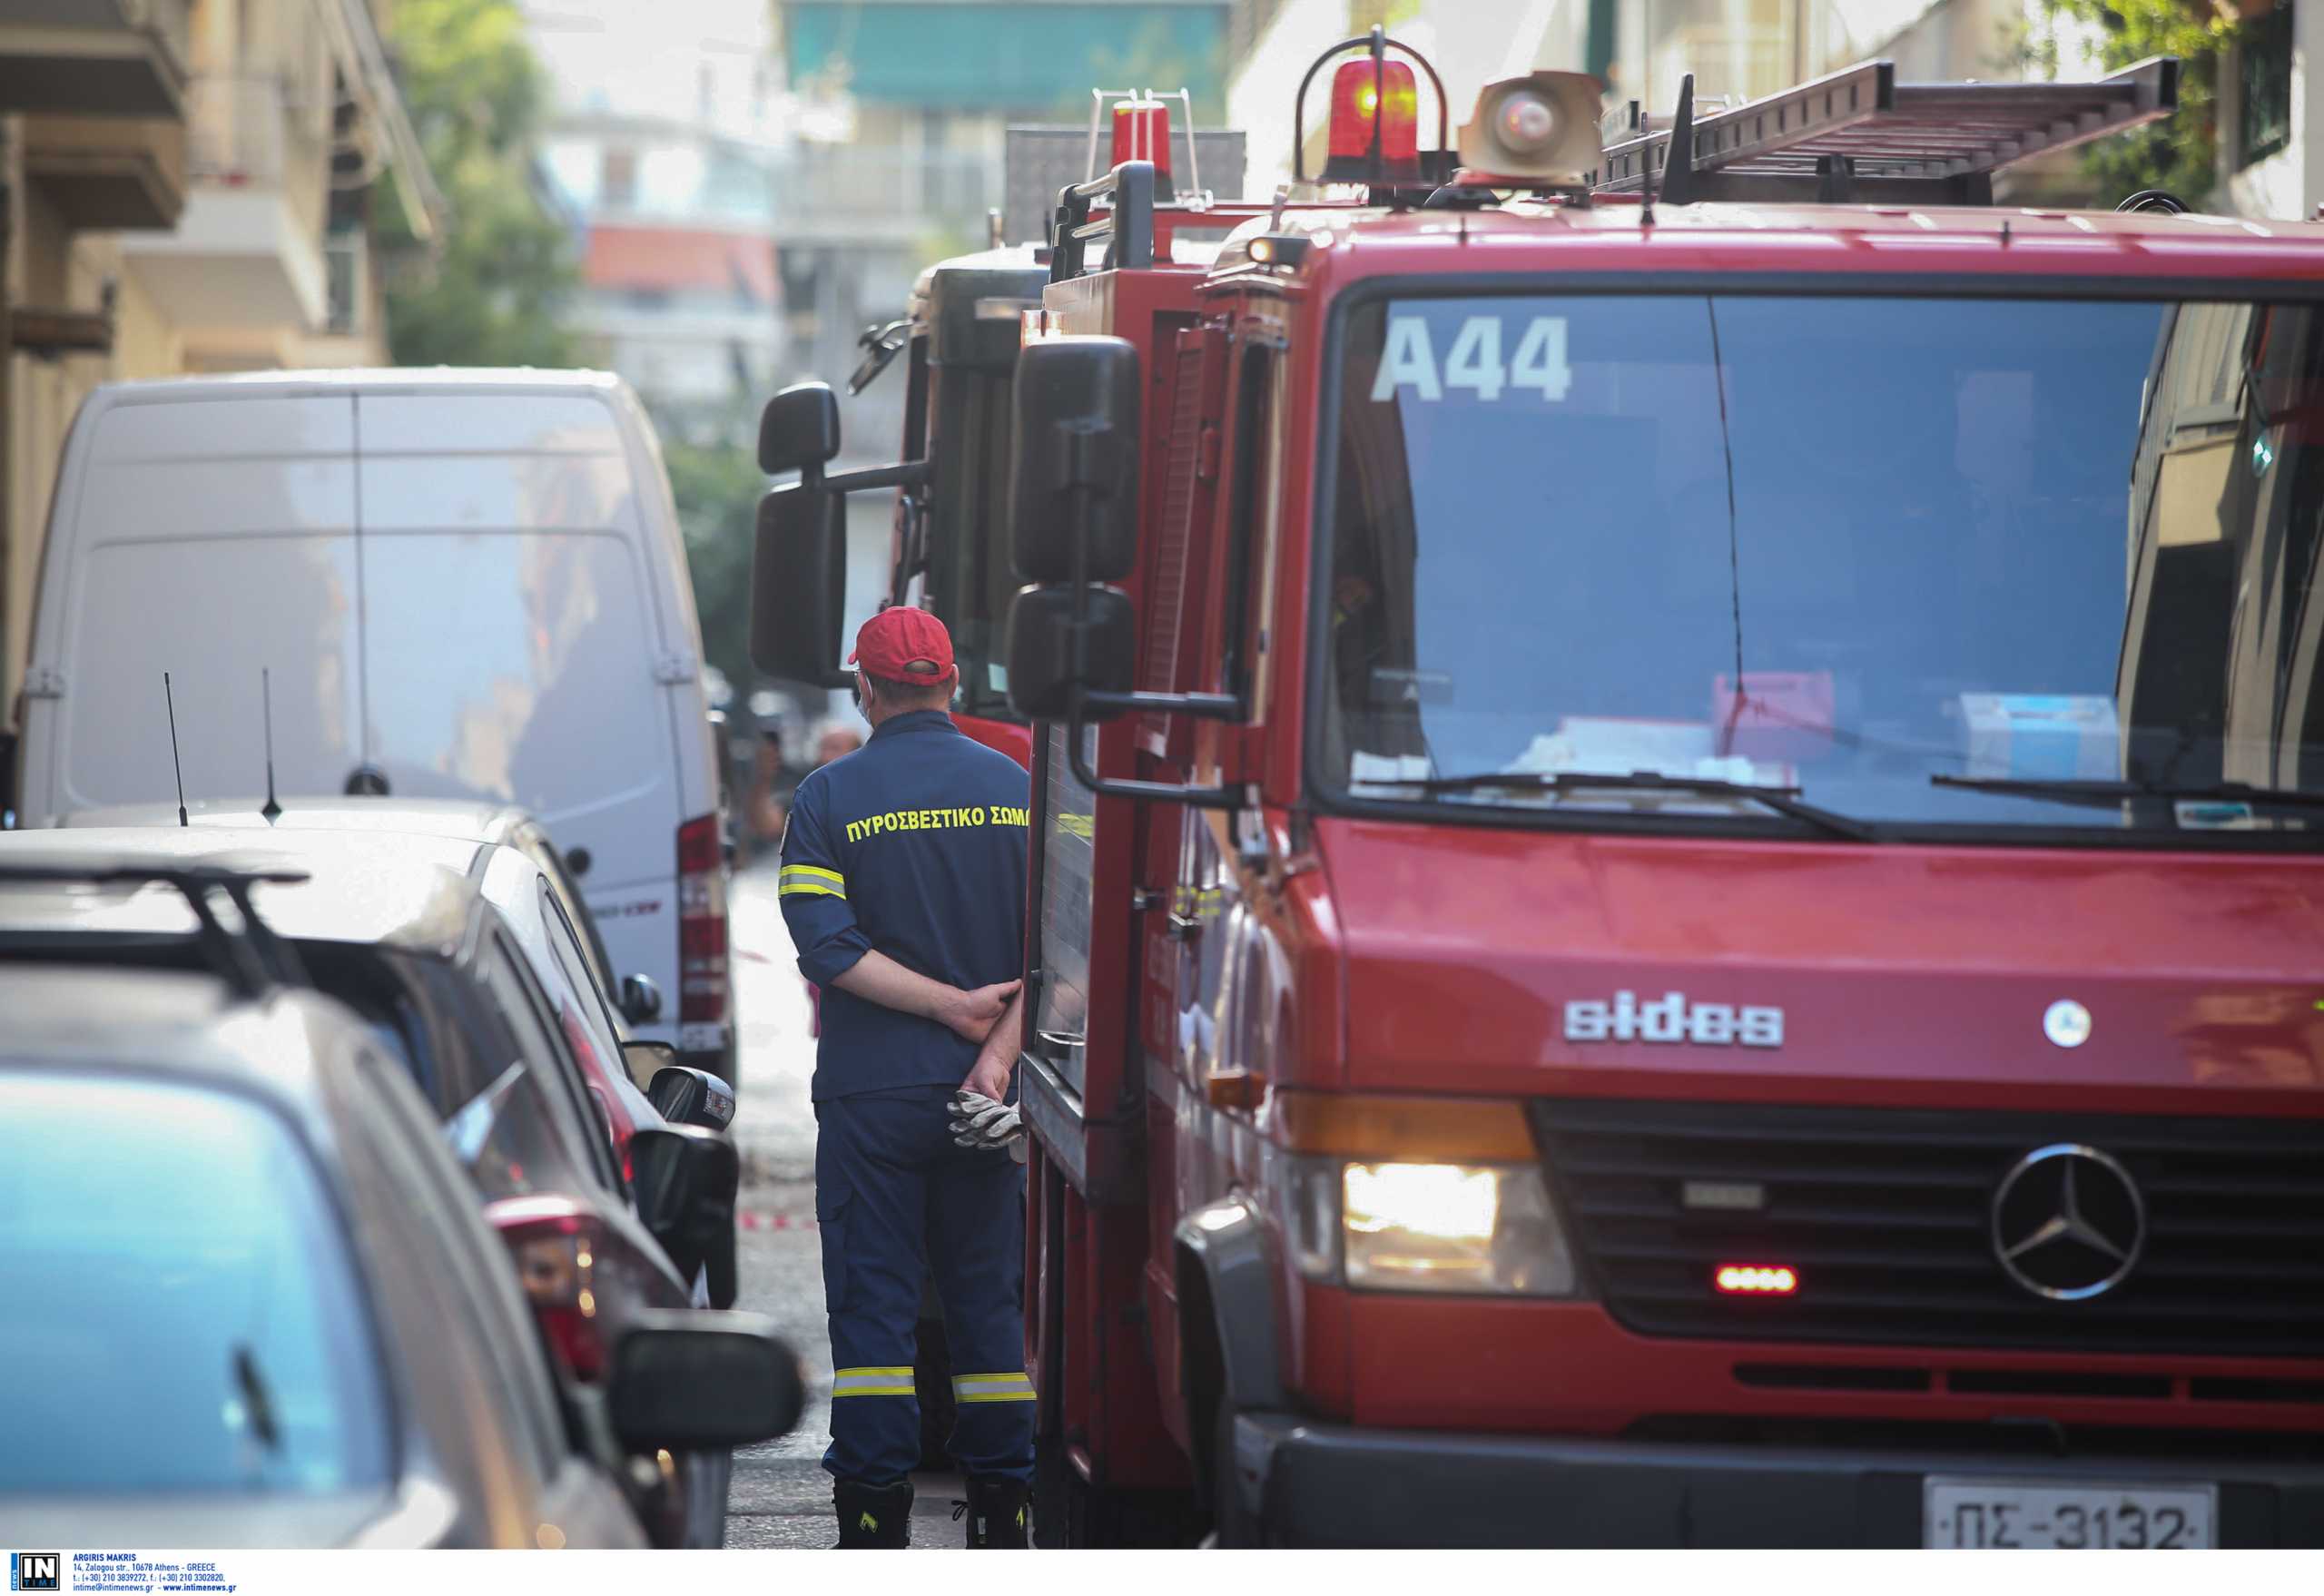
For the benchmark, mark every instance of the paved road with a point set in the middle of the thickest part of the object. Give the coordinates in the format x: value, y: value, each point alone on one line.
x: 782, y: 1497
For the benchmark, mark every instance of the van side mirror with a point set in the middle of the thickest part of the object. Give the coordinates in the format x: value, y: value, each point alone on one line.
x: 1073, y: 482
x: 799, y: 584
x: 798, y: 431
x: 1041, y: 627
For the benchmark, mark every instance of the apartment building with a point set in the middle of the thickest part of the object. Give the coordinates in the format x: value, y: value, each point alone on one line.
x: 190, y: 186
x: 662, y: 144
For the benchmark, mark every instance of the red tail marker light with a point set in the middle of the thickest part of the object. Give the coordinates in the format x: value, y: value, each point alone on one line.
x: 1365, y: 97
x: 1756, y: 1280
x: 702, y: 923
x: 556, y: 1244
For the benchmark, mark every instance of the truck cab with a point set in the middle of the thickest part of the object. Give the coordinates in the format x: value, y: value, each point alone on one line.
x: 1675, y: 893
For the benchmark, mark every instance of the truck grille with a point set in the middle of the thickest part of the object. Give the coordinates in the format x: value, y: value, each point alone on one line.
x: 1888, y: 1219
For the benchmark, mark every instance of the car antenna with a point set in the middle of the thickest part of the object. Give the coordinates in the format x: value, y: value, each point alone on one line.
x: 1645, y: 177
x: 176, y: 769
x: 273, y: 810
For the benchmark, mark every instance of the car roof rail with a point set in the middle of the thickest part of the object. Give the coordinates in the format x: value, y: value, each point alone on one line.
x: 247, y: 954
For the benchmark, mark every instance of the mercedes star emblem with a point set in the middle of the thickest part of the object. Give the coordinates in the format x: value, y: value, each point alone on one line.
x: 2066, y: 1023
x: 2068, y: 1222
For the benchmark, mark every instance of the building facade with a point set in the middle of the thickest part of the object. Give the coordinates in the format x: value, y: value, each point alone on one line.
x: 662, y: 145
x: 190, y: 188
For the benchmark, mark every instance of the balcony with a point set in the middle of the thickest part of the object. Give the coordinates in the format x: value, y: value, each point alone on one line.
x: 108, y: 174
x: 94, y: 57
x: 848, y: 193
x: 248, y: 254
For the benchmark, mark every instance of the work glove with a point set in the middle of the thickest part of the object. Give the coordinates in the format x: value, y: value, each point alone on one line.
x: 978, y: 1122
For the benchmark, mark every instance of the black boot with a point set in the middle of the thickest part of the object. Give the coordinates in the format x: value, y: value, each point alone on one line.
x: 998, y: 1511
x: 873, y: 1515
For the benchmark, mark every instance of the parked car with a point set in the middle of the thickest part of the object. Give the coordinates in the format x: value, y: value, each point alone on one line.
x: 465, y: 585
x: 534, y: 899
x: 638, y: 995
x: 327, y: 1347
x: 392, y: 925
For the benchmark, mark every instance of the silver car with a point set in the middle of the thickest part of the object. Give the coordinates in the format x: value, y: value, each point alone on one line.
x: 251, y: 1303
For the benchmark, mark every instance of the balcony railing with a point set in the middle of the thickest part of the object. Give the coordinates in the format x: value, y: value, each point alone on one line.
x: 852, y: 181
x: 237, y: 131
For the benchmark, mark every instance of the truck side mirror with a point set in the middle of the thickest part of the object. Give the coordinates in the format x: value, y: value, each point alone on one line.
x: 1040, y: 649
x: 799, y: 584
x: 799, y: 431
x: 1073, y: 483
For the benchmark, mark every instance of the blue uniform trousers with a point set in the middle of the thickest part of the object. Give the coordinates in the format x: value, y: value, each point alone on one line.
x: 894, y: 1200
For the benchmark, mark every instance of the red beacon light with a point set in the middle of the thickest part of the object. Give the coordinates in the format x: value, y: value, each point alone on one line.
x: 1374, y: 100
x: 1142, y: 132
x: 1372, y: 133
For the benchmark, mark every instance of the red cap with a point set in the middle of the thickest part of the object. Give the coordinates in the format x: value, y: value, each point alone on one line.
x: 905, y: 644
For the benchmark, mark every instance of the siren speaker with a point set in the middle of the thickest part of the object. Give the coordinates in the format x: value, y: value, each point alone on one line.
x: 1537, y: 131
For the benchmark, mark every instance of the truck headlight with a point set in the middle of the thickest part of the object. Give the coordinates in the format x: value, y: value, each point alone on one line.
x: 1452, y: 1227
x: 1445, y: 1195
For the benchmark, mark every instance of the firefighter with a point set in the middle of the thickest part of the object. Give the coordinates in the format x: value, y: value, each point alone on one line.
x: 903, y: 883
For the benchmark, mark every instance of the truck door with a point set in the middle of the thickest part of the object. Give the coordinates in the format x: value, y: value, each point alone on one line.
x: 1206, y: 918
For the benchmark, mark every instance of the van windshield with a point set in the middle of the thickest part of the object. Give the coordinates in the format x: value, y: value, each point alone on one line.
x: 1920, y: 562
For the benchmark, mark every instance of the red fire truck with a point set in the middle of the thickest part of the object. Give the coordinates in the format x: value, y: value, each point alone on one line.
x: 1677, y: 796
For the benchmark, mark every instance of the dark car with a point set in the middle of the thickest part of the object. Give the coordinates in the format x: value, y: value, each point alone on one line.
x: 393, y: 926
x: 251, y: 1301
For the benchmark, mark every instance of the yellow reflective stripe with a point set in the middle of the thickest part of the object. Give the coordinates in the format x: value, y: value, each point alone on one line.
x: 892, y: 1381
x: 807, y: 890
x: 1011, y: 1388
x: 813, y: 869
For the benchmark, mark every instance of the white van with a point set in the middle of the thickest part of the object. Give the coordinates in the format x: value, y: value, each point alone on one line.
x: 460, y: 583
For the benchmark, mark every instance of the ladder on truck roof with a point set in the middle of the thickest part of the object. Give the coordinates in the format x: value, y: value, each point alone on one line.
x: 1859, y: 135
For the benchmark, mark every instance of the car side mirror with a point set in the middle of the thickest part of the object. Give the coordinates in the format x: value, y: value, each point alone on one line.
x: 684, y: 1096
x: 698, y: 1381
x: 799, y: 584
x: 799, y: 431
x: 641, y: 999
x: 684, y: 1178
x: 1040, y: 649
x: 1073, y: 479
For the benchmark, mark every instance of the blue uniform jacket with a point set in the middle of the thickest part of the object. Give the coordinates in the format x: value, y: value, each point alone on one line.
x: 914, y: 845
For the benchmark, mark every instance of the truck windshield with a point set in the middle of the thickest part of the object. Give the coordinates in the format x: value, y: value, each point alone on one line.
x: 1922, y: 562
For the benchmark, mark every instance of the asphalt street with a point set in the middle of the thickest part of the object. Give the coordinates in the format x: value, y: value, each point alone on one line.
x: 781, y: 1496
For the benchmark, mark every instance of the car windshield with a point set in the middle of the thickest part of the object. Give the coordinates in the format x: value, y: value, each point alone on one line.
x: 179, y: 1312
x: 1982, y: 562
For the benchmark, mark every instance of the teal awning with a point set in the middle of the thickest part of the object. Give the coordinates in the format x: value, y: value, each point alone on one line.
x: 1026, y: 57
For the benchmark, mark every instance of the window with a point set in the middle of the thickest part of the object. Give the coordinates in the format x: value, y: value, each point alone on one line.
x: 1246, y: 510
x: 543, y: 852
x: 190, y: 1301
x: 596, y: 1018
x: 1743, y: 551
x: 617, y: 180
x: 583, y: 1121
x: 2265, y: 56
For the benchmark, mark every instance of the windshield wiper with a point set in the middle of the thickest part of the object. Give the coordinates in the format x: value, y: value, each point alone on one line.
x: 2100, y: 792
x: 1784, y: 800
